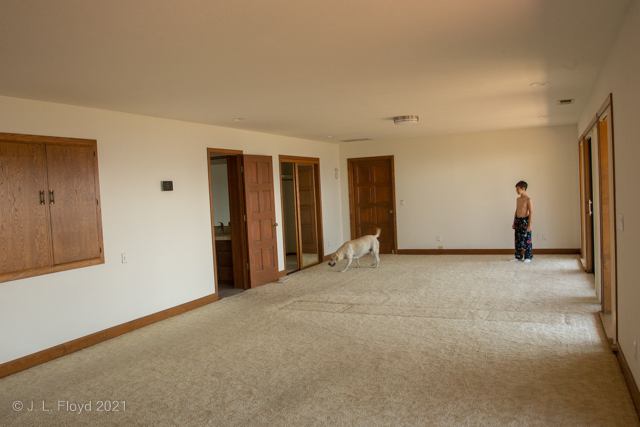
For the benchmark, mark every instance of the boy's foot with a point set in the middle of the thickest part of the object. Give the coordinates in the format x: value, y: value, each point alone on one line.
x: 527, y: 260
x: 515, y: 259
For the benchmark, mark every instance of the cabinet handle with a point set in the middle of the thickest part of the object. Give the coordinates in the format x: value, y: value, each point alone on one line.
x: 51, y: 199
x: 42, y: 197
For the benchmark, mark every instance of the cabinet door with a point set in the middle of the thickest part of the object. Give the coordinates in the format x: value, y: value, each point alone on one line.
x: 24, y: 234
x: 73, y: 202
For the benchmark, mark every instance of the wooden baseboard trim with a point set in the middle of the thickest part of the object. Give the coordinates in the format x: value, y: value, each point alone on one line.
x: 282, y: 273
x: 484, y: 251
x: 26, y: 362
x: 628, y: 377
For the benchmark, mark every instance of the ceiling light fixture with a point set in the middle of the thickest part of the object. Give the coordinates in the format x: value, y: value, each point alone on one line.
x: 543, y: 117
x: 406, y: 120
x: 238, y: 119
x: 539, y: 84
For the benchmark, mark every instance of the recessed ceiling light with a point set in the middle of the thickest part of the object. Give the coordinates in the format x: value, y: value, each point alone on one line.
x: 238, y: 119
x: 539, y: 84
x: 406, y: 120
x: 330, y: 136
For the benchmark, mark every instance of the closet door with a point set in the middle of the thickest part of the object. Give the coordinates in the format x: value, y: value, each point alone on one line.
x: 73, y: 203
x: 24, y: 234
x: 308, y: 230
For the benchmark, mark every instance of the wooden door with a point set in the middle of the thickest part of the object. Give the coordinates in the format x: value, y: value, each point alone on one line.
x: 24, y: 232
x: 308, y: 230
x: 586, y: 193
x: 372, y: 200
x: 73, y: 203
x: 261, y: 219
x: 236, y: 209
x: 605, y: 214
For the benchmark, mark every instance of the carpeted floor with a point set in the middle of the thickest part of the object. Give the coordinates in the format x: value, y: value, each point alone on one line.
x: 423, y: 340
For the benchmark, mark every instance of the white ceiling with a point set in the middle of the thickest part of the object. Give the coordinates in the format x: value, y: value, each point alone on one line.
x: 313, y: 68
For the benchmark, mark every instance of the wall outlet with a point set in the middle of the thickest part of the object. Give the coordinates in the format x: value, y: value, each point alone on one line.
x: 439, y: 238
x: 539, y: 236
x: 402, y: 202
x: 544, y: 237
x: 124, y: 258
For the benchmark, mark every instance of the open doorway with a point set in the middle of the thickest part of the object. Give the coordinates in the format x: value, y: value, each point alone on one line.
x: 227, y: 221
x: 301, y: 212
x: 598, y: 213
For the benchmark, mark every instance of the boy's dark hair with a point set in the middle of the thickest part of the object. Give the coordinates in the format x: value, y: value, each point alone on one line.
x: 522, y: 184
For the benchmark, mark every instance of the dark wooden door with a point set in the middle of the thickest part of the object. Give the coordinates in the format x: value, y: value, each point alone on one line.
x: 261, y: 219
x: 73, y: 203
x: 372, y: 200
x: 587, y: 205
x: 24, y: 232
x: 307, y: 208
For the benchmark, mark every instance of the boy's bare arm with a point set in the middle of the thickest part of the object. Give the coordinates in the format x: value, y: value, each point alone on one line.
x: 530, y: 209
x: 513, y: 225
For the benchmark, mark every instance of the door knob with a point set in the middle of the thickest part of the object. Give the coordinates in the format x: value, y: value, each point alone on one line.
x: 391, y: 211
x: 275, y: 224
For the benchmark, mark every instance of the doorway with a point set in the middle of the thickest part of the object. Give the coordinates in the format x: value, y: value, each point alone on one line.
x: 227, y: 221
x: 598, y: 213
x: 372, y: 200
x: 301, y: 212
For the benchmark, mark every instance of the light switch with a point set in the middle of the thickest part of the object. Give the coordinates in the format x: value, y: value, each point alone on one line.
x: 402, y: 202
x: 620, y: 222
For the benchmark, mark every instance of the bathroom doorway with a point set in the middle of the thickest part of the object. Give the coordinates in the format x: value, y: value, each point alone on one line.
x: 227, y: 199
x: 301, y: 212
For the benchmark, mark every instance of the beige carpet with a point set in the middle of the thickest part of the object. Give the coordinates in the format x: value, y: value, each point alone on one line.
x: 423, y: 340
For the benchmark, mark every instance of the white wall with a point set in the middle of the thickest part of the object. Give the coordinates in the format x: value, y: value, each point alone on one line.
x: 621, y: 77
x: 220, y: 190
x: 462, y: 187
x: 166, y: 235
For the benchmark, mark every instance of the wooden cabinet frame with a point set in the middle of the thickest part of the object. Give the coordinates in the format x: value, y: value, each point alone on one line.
x: 53, y: 268
x: 315, y: 162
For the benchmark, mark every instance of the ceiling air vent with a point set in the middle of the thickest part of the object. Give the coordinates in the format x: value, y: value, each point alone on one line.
x: 355, y: 140
x: 565, y: 101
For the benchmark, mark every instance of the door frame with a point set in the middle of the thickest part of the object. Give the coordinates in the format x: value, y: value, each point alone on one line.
x: 239, y: 254
x: 352, y: 218
x: 586, y: 196
x: 282, y: 158
x: 607, y: 245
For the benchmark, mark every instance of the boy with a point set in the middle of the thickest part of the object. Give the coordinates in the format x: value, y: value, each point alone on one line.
x: 522, y: 223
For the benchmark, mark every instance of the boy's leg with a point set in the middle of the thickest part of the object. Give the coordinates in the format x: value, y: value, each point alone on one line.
x: 527, y: 246
x: 519, y: 241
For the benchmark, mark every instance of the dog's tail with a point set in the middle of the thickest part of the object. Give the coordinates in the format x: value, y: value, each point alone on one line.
x: 378, y: 232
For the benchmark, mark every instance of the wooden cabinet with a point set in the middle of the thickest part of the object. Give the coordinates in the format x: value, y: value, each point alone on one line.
x: 224, y: 261
x: 50, y: 217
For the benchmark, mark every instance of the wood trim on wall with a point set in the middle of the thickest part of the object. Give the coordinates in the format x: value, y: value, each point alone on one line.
x: 628, y: 377
x: 485, y: 251
x: 589, y: 128
x: 43, y: 356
